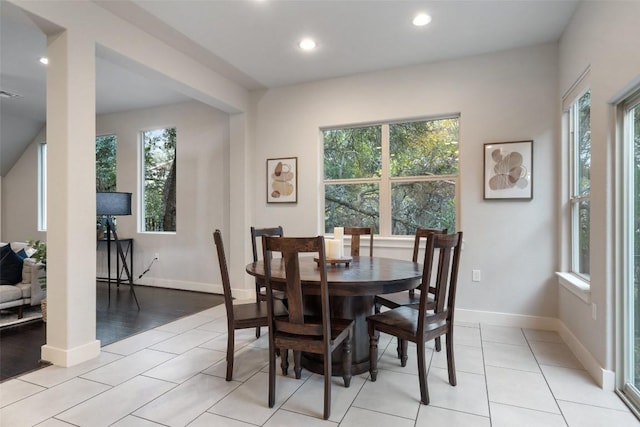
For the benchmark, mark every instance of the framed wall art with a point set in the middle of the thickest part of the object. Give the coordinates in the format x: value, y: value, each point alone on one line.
x: 282, y: 180
x: 508, y: 170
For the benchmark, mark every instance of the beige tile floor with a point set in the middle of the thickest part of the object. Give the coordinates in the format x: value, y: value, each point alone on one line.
x: 174, y: 376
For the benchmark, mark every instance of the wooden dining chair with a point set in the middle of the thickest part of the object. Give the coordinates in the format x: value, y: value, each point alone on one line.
x: 422, y: 325
x: 297, y: 331
x: 240, y: 316
x: 256, y: 235
x: 410, y: 298
x: 355, y: 233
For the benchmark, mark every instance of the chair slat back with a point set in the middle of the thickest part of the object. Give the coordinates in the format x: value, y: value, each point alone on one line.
x: 446, y: 276
x: 423, y: 233
x: 257, y: 233
x: 291, y: 248
x: 224, y: 272
x: 355, y: 233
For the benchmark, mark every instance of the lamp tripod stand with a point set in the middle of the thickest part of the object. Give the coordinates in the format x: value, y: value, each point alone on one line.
x: 110, y: 204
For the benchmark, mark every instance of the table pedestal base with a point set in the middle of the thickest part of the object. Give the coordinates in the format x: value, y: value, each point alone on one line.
x: 356, y: 308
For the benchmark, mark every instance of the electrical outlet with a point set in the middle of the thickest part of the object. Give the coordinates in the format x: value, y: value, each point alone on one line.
x: 594, y: 311
x: 157, y: 256
x: 475, y: 275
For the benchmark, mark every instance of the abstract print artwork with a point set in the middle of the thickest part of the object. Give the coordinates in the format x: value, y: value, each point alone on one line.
x: 282, y: 180
x: 508, y: 170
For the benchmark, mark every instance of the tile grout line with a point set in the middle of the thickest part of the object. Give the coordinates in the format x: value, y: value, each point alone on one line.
x: 555, y: 399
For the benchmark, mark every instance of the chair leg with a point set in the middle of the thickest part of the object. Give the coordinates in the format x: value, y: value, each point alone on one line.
x: 346, y: 360
x: 20, y: 312
x: 272, y: 375
x: 451, y: 364
x: 230, y: 351
x: 404, y: 346
x: 284, y: 361
x: 373, y: 353
x: 297, y: 364
x: 438, y: 344
x: 399, y: 347
x: 257, y: 332
x: 422, y: 373
x: 327, y: 384
x: 376, y: 308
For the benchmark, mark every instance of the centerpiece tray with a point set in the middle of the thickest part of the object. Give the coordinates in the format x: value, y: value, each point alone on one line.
x: 334, y: 261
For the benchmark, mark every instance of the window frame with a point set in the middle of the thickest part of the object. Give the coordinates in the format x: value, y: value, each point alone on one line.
x: 141, y: 179
x: 42, y: 186
x: 575, y: 197
x: 385, y: 181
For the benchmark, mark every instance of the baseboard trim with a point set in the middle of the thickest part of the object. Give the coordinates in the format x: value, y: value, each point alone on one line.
x: 603, y: 377
x: 507, y: 319
x: 211, y: 288
x: 71, y: 357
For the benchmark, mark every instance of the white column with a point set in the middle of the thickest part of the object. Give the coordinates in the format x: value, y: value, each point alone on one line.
x: 71, y: 208
x: 239, y: 208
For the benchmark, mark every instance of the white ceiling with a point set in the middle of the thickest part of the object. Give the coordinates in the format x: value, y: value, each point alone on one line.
x: 254, y: 43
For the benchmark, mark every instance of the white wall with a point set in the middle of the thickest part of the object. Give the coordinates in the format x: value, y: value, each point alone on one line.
x: 507, y: 96
x: 20, y: 196
x: 187, y: 258
x: 604, y: 36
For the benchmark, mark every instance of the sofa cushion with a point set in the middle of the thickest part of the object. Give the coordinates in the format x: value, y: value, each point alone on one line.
x: 10, y: 266
x: 27, y: 268
x: 25, y: 289
x: 9, y: 293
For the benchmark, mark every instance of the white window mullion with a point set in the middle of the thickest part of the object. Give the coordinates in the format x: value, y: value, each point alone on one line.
x: 385, y: 186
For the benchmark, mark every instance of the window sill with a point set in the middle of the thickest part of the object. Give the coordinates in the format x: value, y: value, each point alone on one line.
x: 576, y: 285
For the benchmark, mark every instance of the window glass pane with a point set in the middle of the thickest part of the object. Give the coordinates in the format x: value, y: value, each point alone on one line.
x: 42, y: 187
x: 159, y: 190
x: 352, y: 153
x: 634, y: 227
x: 581, y: 238
x: 583, y: 144
x: 351, y: 205
x: 424, y: 148
x: 428, y: 204
x: 106, y: 163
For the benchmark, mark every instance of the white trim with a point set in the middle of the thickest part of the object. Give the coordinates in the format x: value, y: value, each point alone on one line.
x: 183, y: 285
x: 577, y: 286
x: 71, y: 357
x: 507, y: 319
x: 605, y: 378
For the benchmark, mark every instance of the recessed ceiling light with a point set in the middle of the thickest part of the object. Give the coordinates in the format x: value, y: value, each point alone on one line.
x: 44, y: 60
x: 421, y: 19
x: 307, y: 44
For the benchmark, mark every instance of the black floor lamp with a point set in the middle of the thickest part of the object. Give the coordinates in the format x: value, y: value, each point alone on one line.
x: 109, y: 205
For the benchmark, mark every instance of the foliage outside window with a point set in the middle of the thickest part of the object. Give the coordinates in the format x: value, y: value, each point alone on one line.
x: 394, y: 177
x: 580, y: 192
x: 159, y: 180
x: 106, y: 171
x: 106, y: 165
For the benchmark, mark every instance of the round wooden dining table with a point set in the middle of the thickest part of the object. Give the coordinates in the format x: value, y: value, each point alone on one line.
x: 352, y: 290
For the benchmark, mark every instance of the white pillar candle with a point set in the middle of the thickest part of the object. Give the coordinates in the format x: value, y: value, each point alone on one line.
x: 338, y: 233
x: 332, y: 248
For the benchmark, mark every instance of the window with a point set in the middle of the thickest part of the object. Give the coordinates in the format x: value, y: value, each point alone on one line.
x: 579, y: 116
x: 630, y: 189
x: 159, y: 180
x: 42, y: 187
x: 105, y: 173
x: 394, y: 177
x: 106, y: 165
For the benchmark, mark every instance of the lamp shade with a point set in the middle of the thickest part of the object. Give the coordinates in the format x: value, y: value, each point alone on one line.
x: 113, y: 203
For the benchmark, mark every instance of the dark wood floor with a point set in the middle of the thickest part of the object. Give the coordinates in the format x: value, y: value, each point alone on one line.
x: 20, y: 345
